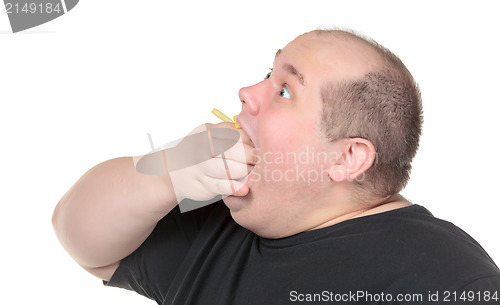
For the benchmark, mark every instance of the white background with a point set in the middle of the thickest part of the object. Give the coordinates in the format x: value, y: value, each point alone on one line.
x: 91, y: 84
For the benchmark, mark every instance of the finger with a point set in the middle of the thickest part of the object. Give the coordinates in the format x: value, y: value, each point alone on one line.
x: 241, y: 153
x: 226, y: 169
x: 231, y: 187
x: 220, y: 125
x: 219, y: 134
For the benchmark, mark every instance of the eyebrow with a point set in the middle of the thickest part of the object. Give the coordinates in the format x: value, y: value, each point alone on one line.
x: 292, y: 70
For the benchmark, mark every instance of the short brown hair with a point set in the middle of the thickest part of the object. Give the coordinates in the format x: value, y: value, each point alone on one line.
x: 384, y: 106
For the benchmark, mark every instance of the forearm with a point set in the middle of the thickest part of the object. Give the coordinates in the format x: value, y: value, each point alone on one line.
x: 110, y: 211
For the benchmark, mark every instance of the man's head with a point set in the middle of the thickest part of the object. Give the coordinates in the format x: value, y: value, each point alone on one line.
x: 384, y: 106
x: 335, y: 125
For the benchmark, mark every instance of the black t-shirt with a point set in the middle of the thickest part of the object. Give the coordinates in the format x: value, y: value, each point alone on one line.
x: 403, y: 256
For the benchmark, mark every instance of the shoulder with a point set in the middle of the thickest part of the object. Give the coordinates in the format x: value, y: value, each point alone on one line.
x: 415, y: 226
x: 437, y: 249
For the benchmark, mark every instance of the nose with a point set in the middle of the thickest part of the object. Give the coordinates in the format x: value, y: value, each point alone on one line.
x: 250, y: 99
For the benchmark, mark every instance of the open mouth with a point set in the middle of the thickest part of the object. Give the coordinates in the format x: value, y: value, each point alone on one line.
x: 245, y: 129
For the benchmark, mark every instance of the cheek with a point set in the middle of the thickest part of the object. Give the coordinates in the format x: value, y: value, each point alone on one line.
x: 279, y: 135
x: 279, y: 144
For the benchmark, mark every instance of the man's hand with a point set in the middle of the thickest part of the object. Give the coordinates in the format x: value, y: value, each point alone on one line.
x: 206, y: 163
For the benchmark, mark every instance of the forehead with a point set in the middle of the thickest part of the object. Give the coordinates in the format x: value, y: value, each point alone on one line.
x: 327, y: 57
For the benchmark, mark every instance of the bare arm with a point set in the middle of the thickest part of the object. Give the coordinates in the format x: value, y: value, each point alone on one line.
x: 109, y: 212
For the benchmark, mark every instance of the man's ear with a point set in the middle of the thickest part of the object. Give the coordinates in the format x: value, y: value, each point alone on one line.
x: 357, y: 156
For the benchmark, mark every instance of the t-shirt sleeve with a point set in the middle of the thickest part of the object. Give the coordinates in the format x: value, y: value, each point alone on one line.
x: 151, y: 268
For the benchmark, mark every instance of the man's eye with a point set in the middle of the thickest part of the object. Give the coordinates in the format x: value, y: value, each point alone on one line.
x: 285, y: 93
x: 269, y: 74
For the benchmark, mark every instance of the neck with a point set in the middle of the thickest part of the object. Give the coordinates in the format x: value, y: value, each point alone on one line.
x: 350, y: 211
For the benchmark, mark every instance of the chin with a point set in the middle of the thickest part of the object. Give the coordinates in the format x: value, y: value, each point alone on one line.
x: 236, y: 203
x: 241, y: 211
x: 246, y: 215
